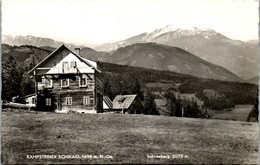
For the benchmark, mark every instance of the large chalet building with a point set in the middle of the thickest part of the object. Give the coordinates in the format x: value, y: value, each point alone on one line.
x: 65, y: 81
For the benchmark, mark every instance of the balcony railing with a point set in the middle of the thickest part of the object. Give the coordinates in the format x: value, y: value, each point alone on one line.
x: 77, y: 70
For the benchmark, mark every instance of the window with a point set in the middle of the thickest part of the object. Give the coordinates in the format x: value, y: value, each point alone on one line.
x: 65, y: 82
x: 121, y: 100
x: 47, y: 82
x: 65, y: 67
x: 68, y: 101
x: 33, y: 100
x: 43, y: 80
x: 83, y: 81
x: 86, y: 100
x: 73, y: 64
x: 48, y: 102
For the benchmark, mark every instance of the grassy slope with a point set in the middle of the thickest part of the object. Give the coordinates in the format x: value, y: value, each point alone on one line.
x: 128, y: 138
x: 240, y: 113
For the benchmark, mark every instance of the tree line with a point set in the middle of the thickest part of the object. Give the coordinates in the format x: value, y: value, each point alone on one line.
x: 183, y: 107
x: 129, y: 85
x: 230, y: 93
x: 15, y: 82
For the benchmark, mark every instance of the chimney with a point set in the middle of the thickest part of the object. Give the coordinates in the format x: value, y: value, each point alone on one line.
x: 77, y: 50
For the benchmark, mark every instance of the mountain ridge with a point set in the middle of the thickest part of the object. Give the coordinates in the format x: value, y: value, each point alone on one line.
x: 34, y: 41
x: 237, y: 56
x: 241, y: 58
x: 151, y: 36
x: 163, y: 57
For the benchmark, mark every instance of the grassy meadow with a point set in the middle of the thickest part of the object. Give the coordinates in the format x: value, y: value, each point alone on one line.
x: 239, y: 113
x: 121, y: 139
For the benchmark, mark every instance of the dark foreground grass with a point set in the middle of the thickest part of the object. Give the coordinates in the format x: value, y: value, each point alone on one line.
x: 126, y: 138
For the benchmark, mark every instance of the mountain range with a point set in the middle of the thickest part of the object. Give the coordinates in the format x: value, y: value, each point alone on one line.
x: 241, y: 58
x: 237, y: 56
x: 32, y: 40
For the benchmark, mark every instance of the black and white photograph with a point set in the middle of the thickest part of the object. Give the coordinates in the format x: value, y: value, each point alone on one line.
x: 129, y: 81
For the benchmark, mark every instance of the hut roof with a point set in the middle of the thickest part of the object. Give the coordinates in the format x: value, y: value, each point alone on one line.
x: 108, y: 102
x: 123, y: 101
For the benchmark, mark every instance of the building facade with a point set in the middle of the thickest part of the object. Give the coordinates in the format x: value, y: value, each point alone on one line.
x: 66, y: 82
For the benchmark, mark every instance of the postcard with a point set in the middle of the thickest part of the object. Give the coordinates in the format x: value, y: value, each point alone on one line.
x: 129, y: 82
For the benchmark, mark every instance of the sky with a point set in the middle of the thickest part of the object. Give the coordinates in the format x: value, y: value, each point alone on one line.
x: 93, y: 22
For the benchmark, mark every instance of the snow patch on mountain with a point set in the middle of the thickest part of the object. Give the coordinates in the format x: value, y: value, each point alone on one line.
x: 178, y: 32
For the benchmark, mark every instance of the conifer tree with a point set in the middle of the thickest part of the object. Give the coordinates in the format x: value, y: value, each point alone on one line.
x: 12, y: 77
x: 149, y: 104
x: 107, y: 89
x: 136, y: 89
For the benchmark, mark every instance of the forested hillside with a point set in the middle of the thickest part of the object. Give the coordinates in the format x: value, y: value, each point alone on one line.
x: 226, y: 94
x: 120, y: 79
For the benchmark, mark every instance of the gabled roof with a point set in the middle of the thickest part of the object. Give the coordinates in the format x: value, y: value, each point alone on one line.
x: 123, y: 101
x: 108, y: 102
x: 85, y: 60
